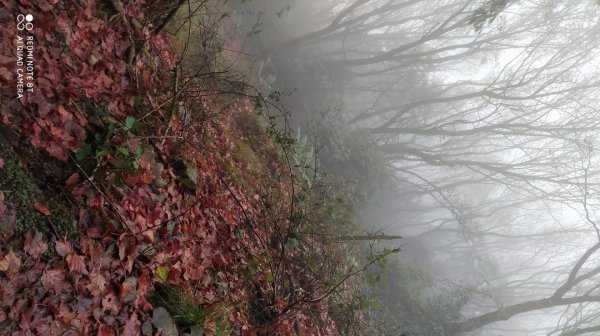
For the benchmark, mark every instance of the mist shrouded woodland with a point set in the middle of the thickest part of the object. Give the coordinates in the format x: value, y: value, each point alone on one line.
x: 484, y: 116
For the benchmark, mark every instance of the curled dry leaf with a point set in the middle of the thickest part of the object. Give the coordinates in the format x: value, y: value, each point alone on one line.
x: 72, y: 180
x: 2, y: 204
x: 10, y: 264
x: 41, y: 209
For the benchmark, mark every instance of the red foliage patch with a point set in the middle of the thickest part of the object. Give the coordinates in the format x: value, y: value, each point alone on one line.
x: 171, y: 218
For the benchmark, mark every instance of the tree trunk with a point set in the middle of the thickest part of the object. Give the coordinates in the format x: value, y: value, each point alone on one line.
x: 505, y: 313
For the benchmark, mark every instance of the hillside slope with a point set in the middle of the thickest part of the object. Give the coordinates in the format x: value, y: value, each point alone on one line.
x: 139, y: 196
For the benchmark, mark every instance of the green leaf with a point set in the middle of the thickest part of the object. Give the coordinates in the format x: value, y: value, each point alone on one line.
x: 123, y: 151
x: 372, y: 280
x: 129, y: 121
x: 160, y: 182
x: 162, y: 273
x: 116, y: 224
x: 139, y: 151
x: 83, y: 152
x: 122, y: 163
x: 188, y: 183
x: 298, y: 198
x: 111, y: 129
x: 269, y: 277
x: 291, y: 243
x: 89, y: 196
x: 102, y: 153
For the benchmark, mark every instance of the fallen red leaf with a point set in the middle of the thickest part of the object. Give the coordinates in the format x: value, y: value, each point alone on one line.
x: 76, y: 263
x: 104, y: 331
x: 63, y: 112
x: 35, y: 246
x: 96, y: 202
x: 146, y: 177
x: 41, y: 209
x: 126, y: 290
x: 53, y: 280
x: 72, y: 180
x: 131, y: 180
x: 111, y: 303
x: 56, y: 151
x: 97, y: 284
x: 132, y: 326
x: 63, y: 248
x: 65, y: 314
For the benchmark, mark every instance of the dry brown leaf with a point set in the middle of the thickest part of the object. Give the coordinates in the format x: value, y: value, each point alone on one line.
x: 10, y: 264
x: 2, y: 204
x: 41, y: 209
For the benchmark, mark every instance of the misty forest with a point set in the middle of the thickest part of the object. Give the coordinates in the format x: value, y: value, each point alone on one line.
x: 301, y: 167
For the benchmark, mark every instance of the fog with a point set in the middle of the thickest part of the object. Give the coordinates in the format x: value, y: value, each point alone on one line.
x: 471, y: 127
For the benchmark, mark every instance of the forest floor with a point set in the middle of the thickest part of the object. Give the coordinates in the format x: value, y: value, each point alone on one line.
x: 143, y: 195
